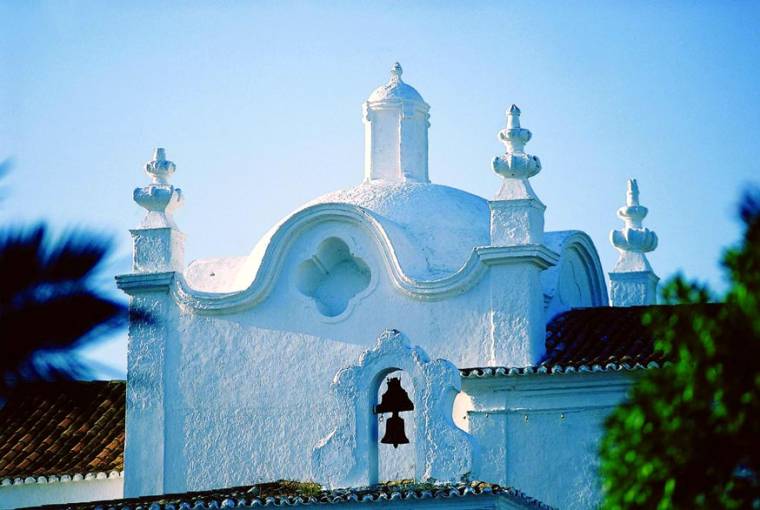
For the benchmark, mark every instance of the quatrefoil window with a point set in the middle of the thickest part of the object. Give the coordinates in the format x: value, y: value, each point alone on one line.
x: 332, y: 277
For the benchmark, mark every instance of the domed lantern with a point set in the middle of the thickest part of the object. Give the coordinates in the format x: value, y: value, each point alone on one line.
x: 396, y: 121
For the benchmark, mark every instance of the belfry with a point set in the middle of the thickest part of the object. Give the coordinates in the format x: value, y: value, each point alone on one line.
x: 394, y: 330
x: 395, y: 279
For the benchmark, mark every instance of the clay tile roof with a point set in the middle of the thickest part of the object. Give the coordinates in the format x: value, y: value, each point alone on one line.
x: 287, y: 493
x: 69, y: 428
x: 599, y: 336
x: 594, y: 339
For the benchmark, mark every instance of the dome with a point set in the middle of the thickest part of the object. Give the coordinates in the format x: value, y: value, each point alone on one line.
x: 398, y: 91
x: 434, y: 228
x: 395, y: 89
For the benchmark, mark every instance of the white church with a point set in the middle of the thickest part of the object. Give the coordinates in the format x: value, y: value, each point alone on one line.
x: 398, y: 343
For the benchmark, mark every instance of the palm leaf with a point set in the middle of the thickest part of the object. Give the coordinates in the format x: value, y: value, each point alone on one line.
x: 49, y: 304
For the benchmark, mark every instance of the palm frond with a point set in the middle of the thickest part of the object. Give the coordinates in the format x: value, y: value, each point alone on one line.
x: 50, y: 305
x: 21, y: 260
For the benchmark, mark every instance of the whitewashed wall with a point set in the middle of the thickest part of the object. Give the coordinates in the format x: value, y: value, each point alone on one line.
x: 248, y: 394
x: 541, y: 432
x: 241, y: 394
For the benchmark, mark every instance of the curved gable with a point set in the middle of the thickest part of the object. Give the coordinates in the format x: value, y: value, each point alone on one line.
x: 578, y: 278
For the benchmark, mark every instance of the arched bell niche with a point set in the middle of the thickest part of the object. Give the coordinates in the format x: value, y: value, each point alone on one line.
x: 350, y: 454
x: 395, y: 461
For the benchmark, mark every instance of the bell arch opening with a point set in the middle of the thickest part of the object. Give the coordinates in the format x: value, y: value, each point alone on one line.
x: 392, y: 435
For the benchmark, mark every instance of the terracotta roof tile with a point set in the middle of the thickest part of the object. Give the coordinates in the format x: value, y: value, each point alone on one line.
x: 287, y: 494
x: 600, y: 336
x: 592, y: 339
x: 63, y: 428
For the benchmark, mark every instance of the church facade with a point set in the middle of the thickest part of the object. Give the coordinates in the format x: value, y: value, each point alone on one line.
x: 395, y: 330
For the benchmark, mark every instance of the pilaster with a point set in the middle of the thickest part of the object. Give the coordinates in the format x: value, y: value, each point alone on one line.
x: 517, y: 228
x: 633, y: 288
x: 517, y: 320
x: 157, y: 257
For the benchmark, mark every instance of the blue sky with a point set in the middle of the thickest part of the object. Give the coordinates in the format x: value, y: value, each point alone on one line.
x: 259, y: 105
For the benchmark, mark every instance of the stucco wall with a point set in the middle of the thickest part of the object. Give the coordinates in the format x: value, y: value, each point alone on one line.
x: 254, y: 388
x: 241, y: 394
x: 540, y: 433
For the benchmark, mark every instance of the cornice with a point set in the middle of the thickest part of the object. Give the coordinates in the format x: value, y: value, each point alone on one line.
x: 136, y: 283
x: 634, y: 275
x: 536, y: 254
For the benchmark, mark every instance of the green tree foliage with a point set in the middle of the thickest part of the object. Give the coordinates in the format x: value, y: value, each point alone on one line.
x: 689, y: 437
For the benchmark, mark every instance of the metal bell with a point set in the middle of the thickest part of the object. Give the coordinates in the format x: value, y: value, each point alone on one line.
x: 395, y: 399
x: 394, y: 431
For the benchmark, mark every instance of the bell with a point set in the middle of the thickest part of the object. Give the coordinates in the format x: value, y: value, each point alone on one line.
x: 394, y: 431
x: 395, y: 399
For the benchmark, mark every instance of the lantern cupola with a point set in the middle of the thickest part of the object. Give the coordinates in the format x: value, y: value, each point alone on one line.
x: 396, y: 132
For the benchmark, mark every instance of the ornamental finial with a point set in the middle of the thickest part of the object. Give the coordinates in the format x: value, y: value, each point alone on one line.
x: 515, y: 164
x: 632, y: 193
x: 633, y: 213
x: 517, y: 214
x: 396, y: 72
x: 633, y: 238
x: 159, y: 197
x: 513, y: 117
x: 632, y: 280
x: 160, y: 169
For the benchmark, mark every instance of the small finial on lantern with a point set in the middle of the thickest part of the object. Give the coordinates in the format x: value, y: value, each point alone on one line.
x: 396, y: 72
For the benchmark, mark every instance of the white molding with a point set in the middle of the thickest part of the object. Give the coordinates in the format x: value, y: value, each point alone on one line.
x: 63, y: 478
x: 491, y: 372
x: 136, y: 283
